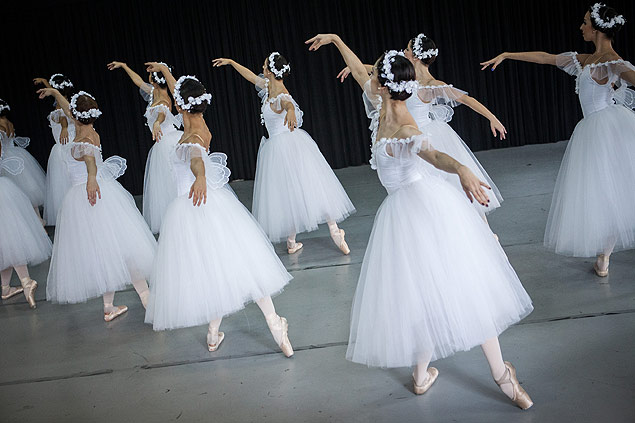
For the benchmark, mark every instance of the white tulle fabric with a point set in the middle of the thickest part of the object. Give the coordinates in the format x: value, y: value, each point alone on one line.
x: 32, y: 180
x: 98, y: 248
x: 593, y: 200
x: 433, y: 278
x: 212, y: 259
x: 22, y: 238
x: 295, y: 189
x: 57, y: 179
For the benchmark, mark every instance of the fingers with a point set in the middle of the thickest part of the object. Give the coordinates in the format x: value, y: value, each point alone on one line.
x: 469, y: 195
x: 483, y: 184
x: 205, y: 197
x: 310, y: 40
x: 99, y: 192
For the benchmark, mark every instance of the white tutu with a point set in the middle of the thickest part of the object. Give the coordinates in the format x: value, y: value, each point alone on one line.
x: 32, y: 180
x: 211, y: 259
x: 593, y: 202
x: 57, y: 181
x: 295, y: 188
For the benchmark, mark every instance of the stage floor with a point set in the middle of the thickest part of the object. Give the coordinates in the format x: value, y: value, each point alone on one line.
x: 574, y: 353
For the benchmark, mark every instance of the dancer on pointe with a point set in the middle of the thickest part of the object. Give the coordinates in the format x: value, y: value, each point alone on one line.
x: 63, y: 128
x: 592, y: 210
x: 431, y: 107
x: 32, y: 180
x: 213, y: 258
x: 102, y: 244
x: 159, y: 188
x: 295, y: 188
x: 23, y: 240
x: 432, y: 281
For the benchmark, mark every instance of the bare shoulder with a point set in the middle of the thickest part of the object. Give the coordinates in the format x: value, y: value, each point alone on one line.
x: 407, y: 131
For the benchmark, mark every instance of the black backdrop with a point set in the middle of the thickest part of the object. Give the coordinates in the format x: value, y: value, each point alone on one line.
x: 77, y: 38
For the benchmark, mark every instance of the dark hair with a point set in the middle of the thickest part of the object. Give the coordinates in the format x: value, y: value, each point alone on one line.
x: 403, y: 70
x: 606, y: 14
x: 426, y: 44
x: 5, y: 108
x: 83, y: 104
x: 154, y: 76
x: 67, y: 91
x: 279, y: 61
x: 193, y: 88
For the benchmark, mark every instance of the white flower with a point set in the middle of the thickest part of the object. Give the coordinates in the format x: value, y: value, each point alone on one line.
x: 417, y: 49
x: 61, y: 84
x: 386, y: 72
x: 4, y: 107
x: 207, y: 97
x: 87, y: 114
x: 158, y: 79
x: 272, y: 67
x: 595, y: 15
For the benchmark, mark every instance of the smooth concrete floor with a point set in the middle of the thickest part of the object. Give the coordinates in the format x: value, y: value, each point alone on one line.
x: 574, y: 354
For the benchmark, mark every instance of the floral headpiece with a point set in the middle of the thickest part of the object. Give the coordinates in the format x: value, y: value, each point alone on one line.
x: 386, y: 72
x: 62, y: 84
x: 418, y: 50
x: 272, y: 67
x: 156, y: 76
x: 87, y: 114
x: 4, y: 107
x: 595, y: 15
x: 191, y: 101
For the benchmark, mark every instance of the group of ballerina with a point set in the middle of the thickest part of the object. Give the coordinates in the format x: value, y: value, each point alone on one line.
x: 434, y: 279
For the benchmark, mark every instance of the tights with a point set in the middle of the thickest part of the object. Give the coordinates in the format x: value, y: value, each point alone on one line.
x: 268, y: 310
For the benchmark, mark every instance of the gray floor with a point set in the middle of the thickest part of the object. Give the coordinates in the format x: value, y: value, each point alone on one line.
x: 574, y: 354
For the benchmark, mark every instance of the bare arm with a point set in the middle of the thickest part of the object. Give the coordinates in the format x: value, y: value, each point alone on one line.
x: 61, y: 100
x: 157, y: 133
x: 92, y: 187
x: 290, y: 119
x: 352, y: 61
x: 158, y: 67
x: 495, y: 124
x: 628, y: 77
x: 43, y: 81
x: 198, y: 192
x: 243, y: 71
x: 539, y: 57
x: 134, y: 77
x: 346, y: 71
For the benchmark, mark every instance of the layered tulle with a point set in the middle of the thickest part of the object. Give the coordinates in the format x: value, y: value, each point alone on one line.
x: 295, y: 188
x: 57, y: 184
x: 32, y: 180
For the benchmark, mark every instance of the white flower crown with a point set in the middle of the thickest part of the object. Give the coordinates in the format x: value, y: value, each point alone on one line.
x: 157, y: 78
x: 595, y: 15
x: 418, y: 50
x: 4, y: 106
x: 61, y: 84
x: 272, y: 67
x: 87, y: 114
x: 386, y: 72
x: 191, y: 101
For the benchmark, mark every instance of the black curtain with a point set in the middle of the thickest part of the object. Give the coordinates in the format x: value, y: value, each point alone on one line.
x: 77, y: 38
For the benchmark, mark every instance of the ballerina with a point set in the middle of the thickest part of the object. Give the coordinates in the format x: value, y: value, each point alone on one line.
x: 57, y: 180
x: 213, y: 257
x: 159, y: 188
x: 102, y: 244
x: 295, y: 189
x: 432, y: 282
x: 32, y: 180
x: 593, y: 200
x: 23, y: 241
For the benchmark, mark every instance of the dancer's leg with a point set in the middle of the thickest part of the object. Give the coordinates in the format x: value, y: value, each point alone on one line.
x: 277, y: 325
x: 141, y: 286
x: 293, y: 246
x: 214, y: 337
x: 337, y: 235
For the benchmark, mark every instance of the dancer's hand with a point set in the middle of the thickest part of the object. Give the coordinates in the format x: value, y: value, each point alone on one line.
x: 473, y: 187
x: 156, y: 131
x: 344, y: 73
x: 45, y: 92
x: 64, y: 136
x: 115, y: 65
x: 290, y: 120
x: 320, y: 40
x: 40, y: 81
x: 495, y: 61
x: 92, y: 188
x: 155, y: 67
x: 198, y: 192
x: 496, y: 126
x: 221, y: 62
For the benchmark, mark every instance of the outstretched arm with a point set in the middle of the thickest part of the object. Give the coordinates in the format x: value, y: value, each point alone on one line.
x: 243, y: 71
x: 43, y: 81
x: 352, y: 61
x: 347, y: 71
x: 159, y: 67
x: 136, y: 79
x: 539, y: 57
x: 61, y: 100
x: 494, y: 124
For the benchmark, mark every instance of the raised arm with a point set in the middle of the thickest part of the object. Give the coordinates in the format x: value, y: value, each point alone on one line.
x: 42, y: 81
x: 243, y: 71
x: 347, y: 71
x: 539, y: 57
x: 134, y: 77
x: 352, y: 61
x: 159, y: 67
x: 61, y: 100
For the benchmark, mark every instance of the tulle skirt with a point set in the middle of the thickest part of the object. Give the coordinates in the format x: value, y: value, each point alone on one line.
x: 32, y: 180
x: 57, y: 184
x: 211, y: 261
x: 446, y: 140
x: 295, y: 188
x: 593, y: 205
x: 100, y: 248
x: 433, y: 280
x: 159, y: 186
x: 23, y: 240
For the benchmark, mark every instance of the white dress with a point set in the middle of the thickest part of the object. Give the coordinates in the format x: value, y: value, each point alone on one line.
x: 593, y: 205
x: 57, y: 180
x: 295, y: 189
x: 430, y: 108
x: 32, y: 180
x: 212, y: 259
x: 433, y: 280
x: 23, y: 240
x: 159, y: 187
x: 100, y: 248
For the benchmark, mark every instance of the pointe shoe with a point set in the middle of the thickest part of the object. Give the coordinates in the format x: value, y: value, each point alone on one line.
x: 295, y: 247
x: 433, y: 373
x: 13, y: 290
x: 213, y: 346
x: 29, y: 286
x: 277, y: 323
x: 109, y: 317
x: 601, y: 272
x: 520, y: 397
x: 338, y: 239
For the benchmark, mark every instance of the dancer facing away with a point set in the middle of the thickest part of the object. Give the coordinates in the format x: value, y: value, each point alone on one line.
x: 213, y: 257
x: 159, y: 188
x: 102, y: 244
x: 443, y: 285
x: 23, y: 240
x: 295, y: 188
x: 63, y: 128
x: 32, y: 180
x: 593, y: 200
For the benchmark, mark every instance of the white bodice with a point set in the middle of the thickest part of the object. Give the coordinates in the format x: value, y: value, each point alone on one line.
x: 112, y: 168
x: 169, y: 124
x: 56, y: 127
x: 397, y: 162
x: 419, y: 110
x: 593, y: 96
x: 216, y: 171
x: 274, y: 122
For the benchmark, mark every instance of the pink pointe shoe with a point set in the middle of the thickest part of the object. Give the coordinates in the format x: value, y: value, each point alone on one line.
x: 519, y: 397
x: 278, y: 325
x: 29, y: 286
x: 293, y: 247
x: 601, y: 271
x: 214, y: 339
x: 433, y: 373
x: 338, y: 239
x: 112, y: 315
x: 11, y: 291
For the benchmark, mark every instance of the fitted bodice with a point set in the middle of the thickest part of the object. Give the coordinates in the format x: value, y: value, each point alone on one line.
x: 169, y: 124
x: 56, y: 127
x: 419, y: 110
x: 216, y: 171
x: 274, y: 122
x: 593, y: 96
x: 401, y: 166
x: 112, y: 168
